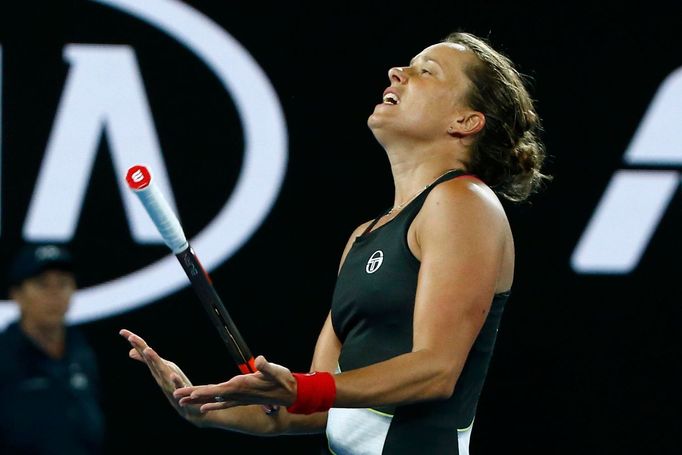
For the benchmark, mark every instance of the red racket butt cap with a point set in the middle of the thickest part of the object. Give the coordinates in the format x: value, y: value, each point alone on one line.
x: 138, y: 177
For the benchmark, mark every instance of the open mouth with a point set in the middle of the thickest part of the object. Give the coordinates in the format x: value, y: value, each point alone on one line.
x: 391, y: 98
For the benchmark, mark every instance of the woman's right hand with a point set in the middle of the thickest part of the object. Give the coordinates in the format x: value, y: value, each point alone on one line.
x: 166, y: 373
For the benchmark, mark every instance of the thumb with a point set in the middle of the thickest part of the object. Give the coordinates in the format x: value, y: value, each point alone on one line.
x: 263, y: 365
x: 271, y: 371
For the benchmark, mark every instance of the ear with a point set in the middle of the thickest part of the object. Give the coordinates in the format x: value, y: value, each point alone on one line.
x: 466, y: 124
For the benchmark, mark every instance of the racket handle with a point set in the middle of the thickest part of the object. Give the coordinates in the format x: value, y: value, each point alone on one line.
x: 140, y: 181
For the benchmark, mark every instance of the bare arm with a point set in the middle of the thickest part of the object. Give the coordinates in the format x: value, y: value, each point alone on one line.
x: 459, y: 236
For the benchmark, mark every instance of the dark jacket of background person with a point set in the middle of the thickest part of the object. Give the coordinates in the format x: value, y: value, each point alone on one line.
x: 49, y: 391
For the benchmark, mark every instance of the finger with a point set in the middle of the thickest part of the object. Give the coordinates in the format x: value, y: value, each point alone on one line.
x: 138, y: 344
x: 125, y: 333
x: 133, y: 338
x: 260, y: 361
x: 133, y: 354
x: 200, y: 394
x: 265, y: 367
x: 128, y: 335
x: 216, y: 406
x: 188, y: 400
x: 274, y: 372
x: 183, y: 392
x: 209, y: 392
x: 137, y: 341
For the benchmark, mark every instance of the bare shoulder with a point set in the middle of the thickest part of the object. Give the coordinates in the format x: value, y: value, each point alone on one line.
x: 465, y: 200
x: 465, y: 193
x: 463, y: 222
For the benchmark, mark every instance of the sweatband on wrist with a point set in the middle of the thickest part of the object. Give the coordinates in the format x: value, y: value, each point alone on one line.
x: 315, y: 392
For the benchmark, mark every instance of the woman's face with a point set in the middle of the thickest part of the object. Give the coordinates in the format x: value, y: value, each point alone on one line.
x: 425, y: 96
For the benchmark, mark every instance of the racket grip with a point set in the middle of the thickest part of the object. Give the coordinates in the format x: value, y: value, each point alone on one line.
x: 140, y: 181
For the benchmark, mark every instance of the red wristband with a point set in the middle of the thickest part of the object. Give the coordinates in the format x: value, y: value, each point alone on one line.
x: 315, y: 392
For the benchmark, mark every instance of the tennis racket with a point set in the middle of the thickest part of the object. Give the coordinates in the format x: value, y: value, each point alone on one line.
x: 140, y: 181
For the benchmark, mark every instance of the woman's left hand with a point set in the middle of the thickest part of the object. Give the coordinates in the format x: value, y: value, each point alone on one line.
x: 272, y: 384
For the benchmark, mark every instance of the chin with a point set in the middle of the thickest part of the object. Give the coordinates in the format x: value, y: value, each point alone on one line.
x: 375, y: 122
x: 371, y: 119
x: 374, y: 126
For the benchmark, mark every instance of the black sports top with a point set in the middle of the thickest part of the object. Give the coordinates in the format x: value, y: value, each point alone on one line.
x: 372, y: 315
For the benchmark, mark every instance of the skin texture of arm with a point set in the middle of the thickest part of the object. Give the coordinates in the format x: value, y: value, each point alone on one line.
x: 461, y: 237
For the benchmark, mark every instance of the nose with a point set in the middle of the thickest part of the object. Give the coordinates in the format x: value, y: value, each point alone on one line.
x: 397, y: 74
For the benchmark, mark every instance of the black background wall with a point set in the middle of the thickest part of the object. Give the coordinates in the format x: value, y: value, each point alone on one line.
x: 585, y: 363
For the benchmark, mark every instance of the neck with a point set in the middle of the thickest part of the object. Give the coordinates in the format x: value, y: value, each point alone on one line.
x: 49, y: 338
x: 410, y: 178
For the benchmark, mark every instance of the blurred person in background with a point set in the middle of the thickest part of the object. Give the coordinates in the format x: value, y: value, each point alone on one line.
x: 49, y: 397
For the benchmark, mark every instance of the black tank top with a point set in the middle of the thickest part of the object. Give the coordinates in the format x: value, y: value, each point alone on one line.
x: 372, y: 314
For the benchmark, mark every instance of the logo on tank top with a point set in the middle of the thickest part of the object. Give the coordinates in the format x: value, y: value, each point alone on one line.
x: 375, y: 261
